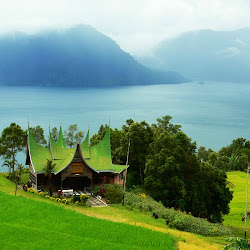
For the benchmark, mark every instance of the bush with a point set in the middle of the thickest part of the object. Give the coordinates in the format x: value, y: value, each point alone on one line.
x: 75, y: 198
x: 114, y: 193
x: 96, y: 190
x: 42, y: 193
x: 32, y: 190
x: 84, y: 198
x: 65, y: 201
x: 176, y: 219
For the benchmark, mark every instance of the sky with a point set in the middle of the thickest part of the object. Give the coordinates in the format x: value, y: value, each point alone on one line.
x: 136, y: 25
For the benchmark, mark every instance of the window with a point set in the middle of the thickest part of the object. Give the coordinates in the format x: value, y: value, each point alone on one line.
x: 121, y: 176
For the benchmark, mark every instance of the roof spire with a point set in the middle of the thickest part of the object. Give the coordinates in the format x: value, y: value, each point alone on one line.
x: 109, y: 121
x: 28, y: 122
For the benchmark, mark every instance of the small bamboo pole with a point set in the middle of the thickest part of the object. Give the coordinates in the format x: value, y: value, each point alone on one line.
x: 125, y: 177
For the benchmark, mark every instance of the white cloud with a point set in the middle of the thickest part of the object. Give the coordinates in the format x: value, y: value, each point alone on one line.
x: 229, y: 52
x: 136, y: 25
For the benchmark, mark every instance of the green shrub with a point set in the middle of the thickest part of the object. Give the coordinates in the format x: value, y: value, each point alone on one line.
x: 84, y: 198
x: 114, y: 193
x: 176, y: 219
x: 96, y: 190
x: 75, y: 198
x: 42, y: 193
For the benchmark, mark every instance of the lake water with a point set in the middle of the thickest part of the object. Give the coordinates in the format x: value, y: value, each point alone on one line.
x: 213, y: 114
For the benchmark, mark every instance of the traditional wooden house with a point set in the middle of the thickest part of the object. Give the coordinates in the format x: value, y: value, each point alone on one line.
x: 78, y: 168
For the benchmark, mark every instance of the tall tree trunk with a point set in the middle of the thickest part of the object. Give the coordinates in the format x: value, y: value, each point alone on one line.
x: 16, y: 184
x: 50, y: 184
x: 13, y: 159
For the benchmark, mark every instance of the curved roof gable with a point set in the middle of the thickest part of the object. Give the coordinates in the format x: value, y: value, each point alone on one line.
x: 60, y: 141
x: 38, y: 153
x: 85, y: 147
x: 100, y: 154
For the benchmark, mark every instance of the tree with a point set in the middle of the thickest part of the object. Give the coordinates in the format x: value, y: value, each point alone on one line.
x: 204, y: 154
x: 175, y: 176
x: 54, y: 134
x: 234, y: 160
x: 48, y: 171
x: 9, y: 164
x: 20, y: 169
x: 141, y: 136
x: 12, y: 141
x: 96, y: 138
x: 73, y: 136
x: 38, y: 134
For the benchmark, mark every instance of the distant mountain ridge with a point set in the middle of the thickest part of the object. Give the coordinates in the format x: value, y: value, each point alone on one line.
x: 205, y: 55
x: 76, y: 57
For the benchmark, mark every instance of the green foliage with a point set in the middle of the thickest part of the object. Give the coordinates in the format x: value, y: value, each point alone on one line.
x: 176, y: 219
x: 164, y: 160
x: 20, y: 170
x: 84, y: 198
x: 54, y: 134
x: 9, y: 164
x: 233, y: 157
x: 73, y: 136
x: 96, y: 138
x: 175, y: 176
x: 48, y: 171
x: 75, y: 198
x: 237, y: 243
x: 12, y: 141
x: 68, y: 228
x: 96, y: 190
x: 38, y: 134
x: 114, y: 193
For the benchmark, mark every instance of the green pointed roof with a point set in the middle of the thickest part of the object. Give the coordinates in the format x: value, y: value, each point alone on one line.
x: 100, y: 154
x: 38, y: 153
x: 60, y: 140
x: 85, y: 147
x: 97, y: 157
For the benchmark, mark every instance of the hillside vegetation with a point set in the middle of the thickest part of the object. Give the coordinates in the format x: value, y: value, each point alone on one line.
x: 124, y: 215
x: 238, y: 204
x: 29, y: 224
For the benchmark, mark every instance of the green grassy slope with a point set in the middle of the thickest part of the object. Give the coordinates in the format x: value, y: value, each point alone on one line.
x: 237, y: 205
x: 26, y: 223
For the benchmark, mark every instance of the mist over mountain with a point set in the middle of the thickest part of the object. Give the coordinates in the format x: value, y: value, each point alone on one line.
x: 205, y: 55
x: 76, y: 57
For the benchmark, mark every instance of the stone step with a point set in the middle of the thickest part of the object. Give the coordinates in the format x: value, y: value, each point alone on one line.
x: 94, y: 202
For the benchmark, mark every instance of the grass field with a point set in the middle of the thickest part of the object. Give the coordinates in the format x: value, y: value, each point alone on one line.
x: 238, y: 204
x: 121, y: 214
x: 26, y: 223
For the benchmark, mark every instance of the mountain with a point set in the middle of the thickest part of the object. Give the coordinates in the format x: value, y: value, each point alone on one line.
x: 205, y: 55
x: 76, y: 57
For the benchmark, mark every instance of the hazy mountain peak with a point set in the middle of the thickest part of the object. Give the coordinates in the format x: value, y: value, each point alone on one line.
x: 78, y: 56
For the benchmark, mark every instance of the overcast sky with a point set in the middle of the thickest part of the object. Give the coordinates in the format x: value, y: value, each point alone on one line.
x: 136, y: 25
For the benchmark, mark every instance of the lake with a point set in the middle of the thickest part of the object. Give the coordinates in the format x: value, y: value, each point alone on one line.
x: 213, y: 114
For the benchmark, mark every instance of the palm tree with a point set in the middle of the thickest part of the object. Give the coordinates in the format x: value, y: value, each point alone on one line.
x: 20, y: 168
x: 48, y: 171
x: 10, y: 164
x: 234, y: 161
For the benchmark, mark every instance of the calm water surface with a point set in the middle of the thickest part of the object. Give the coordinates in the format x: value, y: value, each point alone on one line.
x: 212, y: 114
